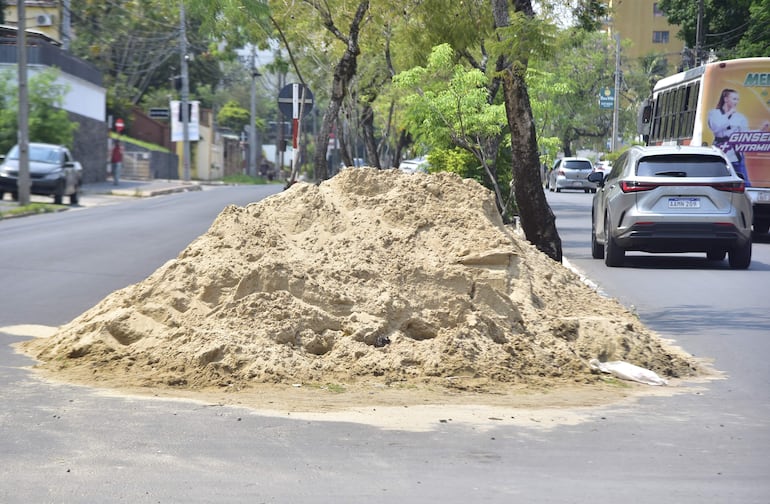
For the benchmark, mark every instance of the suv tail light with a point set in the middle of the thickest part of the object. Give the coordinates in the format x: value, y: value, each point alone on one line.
x: 734, y: 187
x: 631, y: 186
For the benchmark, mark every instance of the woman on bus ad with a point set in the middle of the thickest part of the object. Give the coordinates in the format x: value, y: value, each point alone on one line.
x: 724, y: 120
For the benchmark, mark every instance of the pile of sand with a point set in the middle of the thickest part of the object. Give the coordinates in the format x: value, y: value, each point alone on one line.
x: 370, y: 277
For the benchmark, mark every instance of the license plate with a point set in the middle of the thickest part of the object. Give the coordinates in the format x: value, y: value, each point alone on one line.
x: 763, y: 196
x: 684, y: 202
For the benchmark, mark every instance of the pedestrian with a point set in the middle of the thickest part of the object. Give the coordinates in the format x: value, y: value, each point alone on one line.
x: 116, y: 162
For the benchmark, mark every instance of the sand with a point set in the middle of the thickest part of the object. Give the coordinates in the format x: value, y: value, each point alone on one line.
x: 372, y: 289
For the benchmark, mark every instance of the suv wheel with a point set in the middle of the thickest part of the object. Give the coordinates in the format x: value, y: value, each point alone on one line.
x: 614, y: 255
x: 740, y: 257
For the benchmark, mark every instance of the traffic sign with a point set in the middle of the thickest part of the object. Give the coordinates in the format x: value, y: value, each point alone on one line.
x: 294, y: 97
x: 119, y: 125
x: 607, y: 98
x: 159, y: 113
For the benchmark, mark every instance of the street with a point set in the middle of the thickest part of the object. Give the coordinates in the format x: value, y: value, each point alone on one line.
x: 64, y: 443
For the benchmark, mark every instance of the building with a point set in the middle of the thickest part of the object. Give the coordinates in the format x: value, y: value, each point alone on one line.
x: 85, y: 100
x: 648, y: 29
x: 86, y: 97
x: 41, y: 16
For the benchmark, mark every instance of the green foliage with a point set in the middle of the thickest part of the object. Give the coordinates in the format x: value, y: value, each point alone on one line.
x: 139, y: 143
x: 47, y: 120
x: 233, y: 116
x: 590, y: 13
x: 449, y: 105
x: 31, y: 209
x: 733, y: 28
x: 524, y: 38
x: 454, y: 160
x: 756, y: 41
x: 549, y: 149
x: 565, y: 90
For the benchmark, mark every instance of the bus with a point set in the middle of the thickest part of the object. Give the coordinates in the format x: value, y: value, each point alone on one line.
x: 723, y: 103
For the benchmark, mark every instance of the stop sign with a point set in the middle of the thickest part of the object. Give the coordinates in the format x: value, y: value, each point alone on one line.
x: 119, y: 125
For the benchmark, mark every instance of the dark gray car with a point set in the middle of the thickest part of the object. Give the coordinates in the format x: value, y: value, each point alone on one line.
x: 52, y: 170
x: 667, y: 199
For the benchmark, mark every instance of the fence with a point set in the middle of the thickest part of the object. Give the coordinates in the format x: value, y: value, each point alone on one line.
x: 140, y: 165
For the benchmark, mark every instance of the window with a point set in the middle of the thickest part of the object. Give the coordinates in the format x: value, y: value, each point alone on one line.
x: 682, y: 166
x: 656, y: 10
x: 660, y: 37
x: 618, y: 165
x: 575, y: 164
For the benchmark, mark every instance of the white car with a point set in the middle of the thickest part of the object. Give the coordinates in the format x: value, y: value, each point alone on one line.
x: 416, y: 165
x: 571, y: 173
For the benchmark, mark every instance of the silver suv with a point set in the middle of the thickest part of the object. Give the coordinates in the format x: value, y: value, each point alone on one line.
x: 671, y: 199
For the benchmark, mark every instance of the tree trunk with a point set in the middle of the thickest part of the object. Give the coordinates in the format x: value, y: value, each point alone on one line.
x: 343, y: 73
x: 367, y: 126
x: 536, y: 217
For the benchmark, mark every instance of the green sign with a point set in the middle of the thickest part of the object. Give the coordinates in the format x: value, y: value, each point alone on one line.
x: 607, y: 98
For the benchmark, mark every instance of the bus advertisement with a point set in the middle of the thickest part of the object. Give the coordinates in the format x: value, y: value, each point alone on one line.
x: 726, y: 104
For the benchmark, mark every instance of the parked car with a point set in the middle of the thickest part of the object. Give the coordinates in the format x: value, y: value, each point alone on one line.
x: 52, y: 170
x: 416, y: 165
x: 671, y: 199
x: 571, y: 173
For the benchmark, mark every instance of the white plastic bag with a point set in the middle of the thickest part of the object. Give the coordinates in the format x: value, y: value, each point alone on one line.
x: 626, y: 371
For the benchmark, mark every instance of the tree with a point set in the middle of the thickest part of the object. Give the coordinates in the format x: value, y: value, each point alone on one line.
x: 48, y: 121
x: 514, y: 37
x: 567, y: 86
x: 450, y: 107
x: 344, y: 71
x: 732, y: 28
x: 135, y: 43
x: 233, y: 116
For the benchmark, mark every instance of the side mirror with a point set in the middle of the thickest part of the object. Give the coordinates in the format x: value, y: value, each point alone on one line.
x: 597, y: 178
x: 644, y: 118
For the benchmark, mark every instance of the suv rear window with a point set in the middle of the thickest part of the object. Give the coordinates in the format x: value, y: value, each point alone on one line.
x: 682, y: 166
x: 574, y: 164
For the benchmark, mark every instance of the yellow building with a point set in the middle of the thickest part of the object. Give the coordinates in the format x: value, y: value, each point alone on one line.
x: 648, y: 29
x: 41, y: 16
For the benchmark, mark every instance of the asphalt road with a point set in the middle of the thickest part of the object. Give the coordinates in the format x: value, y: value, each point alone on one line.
x: 61, y: 443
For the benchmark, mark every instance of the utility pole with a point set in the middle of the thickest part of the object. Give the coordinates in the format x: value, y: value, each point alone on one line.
x: 185, y: 96
x: 699, y: 35
x: 24, y: 182
x: 66, y: 25
x: 253, y: 116
x: 617, y: 94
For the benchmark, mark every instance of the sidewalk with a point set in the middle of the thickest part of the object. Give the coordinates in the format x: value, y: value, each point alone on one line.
x: 140, y: 188
x: 126, y: 188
